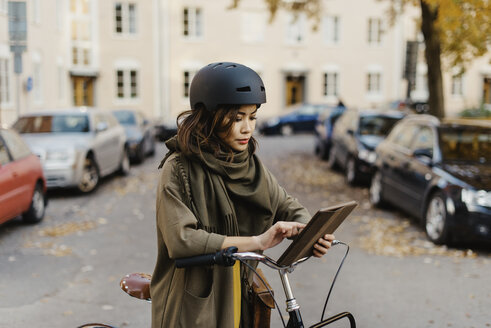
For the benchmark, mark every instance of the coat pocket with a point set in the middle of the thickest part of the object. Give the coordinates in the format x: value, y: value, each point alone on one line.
x: 198, y: 304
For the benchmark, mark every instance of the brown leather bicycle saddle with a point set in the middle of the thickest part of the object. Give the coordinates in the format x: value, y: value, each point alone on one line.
x: 137, y: 285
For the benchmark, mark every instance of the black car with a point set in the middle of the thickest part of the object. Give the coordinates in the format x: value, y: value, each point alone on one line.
x: 165, y: 130
x: 140, y: 133
x: 356, y: 134
x: 324, y: 128
x: 439, y: 172
x: 299, y: 118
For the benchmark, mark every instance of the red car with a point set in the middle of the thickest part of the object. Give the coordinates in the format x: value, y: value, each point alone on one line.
x: 22, y: 183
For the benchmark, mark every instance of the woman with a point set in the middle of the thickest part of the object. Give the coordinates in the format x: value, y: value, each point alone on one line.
x: 214, y: 193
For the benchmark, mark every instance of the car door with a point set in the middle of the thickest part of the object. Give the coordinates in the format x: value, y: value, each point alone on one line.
x: 418, y: 171
x: 393, y: 161
x: 117, y: 137
x: 347, y: 140
x: 16, y: 185
x: 102, y: 144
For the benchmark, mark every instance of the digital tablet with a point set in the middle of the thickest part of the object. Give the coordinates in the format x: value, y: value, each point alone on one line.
x: 325, y: 221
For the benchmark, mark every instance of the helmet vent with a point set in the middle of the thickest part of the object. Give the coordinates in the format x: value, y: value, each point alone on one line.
x: 231, y: 66
x: 217, y: 65
x: 262, y: 88
x: 244, y: 89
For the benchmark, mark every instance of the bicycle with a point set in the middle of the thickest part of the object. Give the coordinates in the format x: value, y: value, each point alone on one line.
x: 137, y: 284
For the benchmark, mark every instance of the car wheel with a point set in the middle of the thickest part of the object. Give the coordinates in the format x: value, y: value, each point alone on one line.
x: 286, y: 130
x: 375, y: 192
x: 124, y: 166
x: 140, y: 152
x: 331, y: 162
x: 35, y: 213
x: 90, y: 176
x: 436, y: 220
x: 351, y: 171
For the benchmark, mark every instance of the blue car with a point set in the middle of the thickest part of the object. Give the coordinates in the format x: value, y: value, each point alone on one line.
x: 324, y: 128
x: 301, y: 119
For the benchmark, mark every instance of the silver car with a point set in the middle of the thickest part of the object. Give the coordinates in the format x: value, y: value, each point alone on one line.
x: 77, y: 146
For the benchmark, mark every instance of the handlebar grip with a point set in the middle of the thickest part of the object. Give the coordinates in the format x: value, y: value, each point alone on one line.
x: 222, y: 257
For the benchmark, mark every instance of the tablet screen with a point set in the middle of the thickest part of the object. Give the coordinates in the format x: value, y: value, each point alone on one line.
x: 325, y: 221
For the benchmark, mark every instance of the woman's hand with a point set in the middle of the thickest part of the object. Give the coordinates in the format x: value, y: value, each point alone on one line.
x: 279, y: 231
x: 322, y: 245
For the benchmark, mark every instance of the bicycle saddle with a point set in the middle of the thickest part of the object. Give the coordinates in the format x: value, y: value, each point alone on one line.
x: 137, y: 285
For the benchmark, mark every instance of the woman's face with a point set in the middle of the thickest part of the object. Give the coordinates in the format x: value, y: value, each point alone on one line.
x: 243, y: 127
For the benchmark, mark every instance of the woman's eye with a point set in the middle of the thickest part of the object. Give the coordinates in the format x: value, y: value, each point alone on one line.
x: 238, y: 119
x: 253, y: 118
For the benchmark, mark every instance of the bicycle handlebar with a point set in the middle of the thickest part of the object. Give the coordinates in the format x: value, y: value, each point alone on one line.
x: 228, y: 256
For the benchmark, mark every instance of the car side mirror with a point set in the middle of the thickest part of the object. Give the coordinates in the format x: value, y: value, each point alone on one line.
x: 101, y: 126
x: 424, y: 154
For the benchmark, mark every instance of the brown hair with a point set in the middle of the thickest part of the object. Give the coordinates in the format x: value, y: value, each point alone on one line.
x: 199, y: 128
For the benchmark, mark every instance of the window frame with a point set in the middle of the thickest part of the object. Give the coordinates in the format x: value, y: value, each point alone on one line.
x: 128, y: 19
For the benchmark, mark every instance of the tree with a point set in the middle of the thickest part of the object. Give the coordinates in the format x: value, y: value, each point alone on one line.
x: 455, y: 32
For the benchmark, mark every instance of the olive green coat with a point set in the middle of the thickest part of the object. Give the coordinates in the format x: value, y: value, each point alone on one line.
x: 200, y: 296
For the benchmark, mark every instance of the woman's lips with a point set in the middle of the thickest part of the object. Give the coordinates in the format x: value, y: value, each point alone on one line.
x: 243, y: 141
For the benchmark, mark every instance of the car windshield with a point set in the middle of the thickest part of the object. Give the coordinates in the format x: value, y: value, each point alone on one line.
x: 125, y: 118
x: 471, y: 144
x: 53, y: 124
x: 376, y: 125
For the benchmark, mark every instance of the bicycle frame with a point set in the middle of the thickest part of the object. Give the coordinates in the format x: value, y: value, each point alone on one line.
x: 292, y: 306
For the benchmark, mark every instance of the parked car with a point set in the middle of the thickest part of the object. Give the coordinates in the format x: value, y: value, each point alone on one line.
x: 22, y: 183
x: 77, y: 146
x: 140, y: 134
x: 299, y: 118
x: 439, y: 172
x: 165, y: 130
x: 355, y: 136
x: 323, y: 131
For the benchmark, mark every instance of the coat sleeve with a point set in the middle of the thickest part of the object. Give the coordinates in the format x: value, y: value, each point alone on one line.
x: 288, y: 208
x: 176, y: 222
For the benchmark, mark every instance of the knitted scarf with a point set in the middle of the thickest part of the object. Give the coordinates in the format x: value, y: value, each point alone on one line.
x: 220, y: 190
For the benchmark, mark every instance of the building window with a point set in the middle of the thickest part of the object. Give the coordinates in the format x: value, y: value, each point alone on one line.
x: 187, y: 78
x: 295, y: 30
x: 125, y: 18
x: 331, y: 80
x: 331, y: 26
x: 374, y: 83
x: 4, y: 81
x: 127, y: 84
x: 457, y: 85
x: 192, y: 23
x: 374, y: 31
x: 253, y: 27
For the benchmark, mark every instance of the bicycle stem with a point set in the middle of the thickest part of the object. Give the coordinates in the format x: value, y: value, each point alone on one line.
x: 292, y: 306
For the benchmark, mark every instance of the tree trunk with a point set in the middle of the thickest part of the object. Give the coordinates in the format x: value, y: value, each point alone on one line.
x: 433, y: 55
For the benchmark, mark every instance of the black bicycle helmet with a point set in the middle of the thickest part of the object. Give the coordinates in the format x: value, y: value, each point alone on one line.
x: 226, y: 83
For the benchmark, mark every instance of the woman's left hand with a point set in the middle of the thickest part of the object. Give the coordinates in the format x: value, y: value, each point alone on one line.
x: 322, y: 245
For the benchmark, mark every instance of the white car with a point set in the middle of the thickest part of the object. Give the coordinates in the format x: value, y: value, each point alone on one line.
x: 76, y: 146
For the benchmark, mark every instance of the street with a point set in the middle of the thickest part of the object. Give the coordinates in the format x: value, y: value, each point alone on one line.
x: 65, y: 271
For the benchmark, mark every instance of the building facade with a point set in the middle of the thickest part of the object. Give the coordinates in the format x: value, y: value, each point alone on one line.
x: 143, y: 54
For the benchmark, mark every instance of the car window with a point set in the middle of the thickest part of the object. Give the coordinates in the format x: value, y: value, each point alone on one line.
x: 53, y: 123
x: 403, y: 135
x: 465, y: 144
x: 424, y: 139
x: 376, y: 125
x: 4, y: 155
x: 18, y: 148
x: 111, y: 120
x: 125, y: 118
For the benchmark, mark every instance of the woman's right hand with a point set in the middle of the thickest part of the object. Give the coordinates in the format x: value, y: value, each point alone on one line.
x: 279, y: 231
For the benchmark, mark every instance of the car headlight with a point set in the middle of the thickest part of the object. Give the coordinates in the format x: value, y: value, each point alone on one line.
x: 60, y: 155
x: 476, y: 197
x: 367, y: 155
